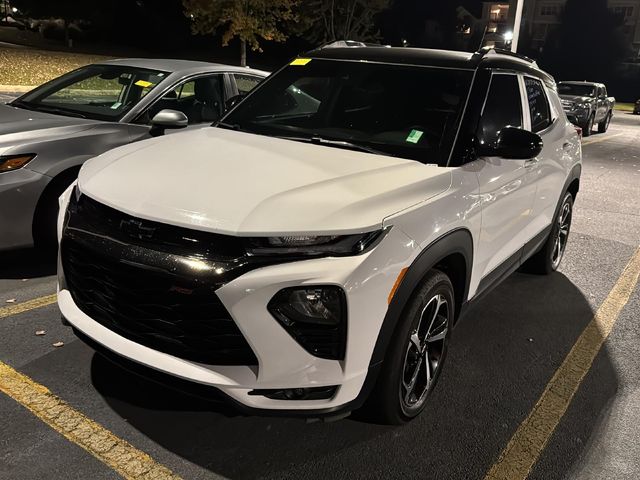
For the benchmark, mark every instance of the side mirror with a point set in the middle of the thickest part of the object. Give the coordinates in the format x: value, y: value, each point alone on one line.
x: 233, y: 101
x: 164, y: 119
x: 514, y: 144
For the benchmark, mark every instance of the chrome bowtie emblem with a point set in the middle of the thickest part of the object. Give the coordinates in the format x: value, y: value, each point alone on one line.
x: 136, y: 229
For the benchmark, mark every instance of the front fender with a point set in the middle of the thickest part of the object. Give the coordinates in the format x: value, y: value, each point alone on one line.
x: 456, y: 242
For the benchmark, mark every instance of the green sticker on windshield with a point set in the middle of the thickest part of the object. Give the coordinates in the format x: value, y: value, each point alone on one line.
x: 414, y: 136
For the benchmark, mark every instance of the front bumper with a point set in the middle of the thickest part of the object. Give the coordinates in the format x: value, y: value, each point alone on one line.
x: 282, y: 362
x: 578, y: 117
x: 20, y: 191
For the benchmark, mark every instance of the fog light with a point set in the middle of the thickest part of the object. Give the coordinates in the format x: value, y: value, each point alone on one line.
x: 315, y: 317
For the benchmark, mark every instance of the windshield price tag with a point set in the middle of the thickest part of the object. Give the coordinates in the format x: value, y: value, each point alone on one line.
x: 415, y: 136
x: 301, y: 61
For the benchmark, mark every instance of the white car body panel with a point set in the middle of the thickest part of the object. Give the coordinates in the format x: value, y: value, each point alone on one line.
x: 287, y: 186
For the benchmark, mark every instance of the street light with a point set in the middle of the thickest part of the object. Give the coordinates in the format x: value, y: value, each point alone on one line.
x: 516, y: 25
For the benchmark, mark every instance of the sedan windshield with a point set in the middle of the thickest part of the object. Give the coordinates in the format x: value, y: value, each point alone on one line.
x: 405, y: 111
x: 576, y: 90
x: 99, y: 92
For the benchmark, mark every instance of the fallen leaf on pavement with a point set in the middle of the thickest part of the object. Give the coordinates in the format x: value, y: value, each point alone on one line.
x: 11, y: 300
x: 40, y: 332
x: 58, y: 344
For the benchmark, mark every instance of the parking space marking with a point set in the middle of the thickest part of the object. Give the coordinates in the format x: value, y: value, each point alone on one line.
x: 600, y: 139
x: 528, y: 442
x: 118, y: 454
x: 26, y: 306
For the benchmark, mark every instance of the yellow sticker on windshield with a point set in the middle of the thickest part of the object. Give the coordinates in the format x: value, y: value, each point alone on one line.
x: 143, y: 83
x: 301, y: 61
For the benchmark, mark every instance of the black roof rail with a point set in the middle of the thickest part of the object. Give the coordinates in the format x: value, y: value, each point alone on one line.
x: 485, y: 50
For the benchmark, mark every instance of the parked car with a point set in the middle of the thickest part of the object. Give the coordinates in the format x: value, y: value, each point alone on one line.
x: 587, y: 104
x: 303, y: 257
x: 47, y: 133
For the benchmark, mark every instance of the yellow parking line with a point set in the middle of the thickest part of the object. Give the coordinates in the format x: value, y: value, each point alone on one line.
x: 528, y: 442
x: 118, y: 454
x: 26, y: 306
x: 600, y: 139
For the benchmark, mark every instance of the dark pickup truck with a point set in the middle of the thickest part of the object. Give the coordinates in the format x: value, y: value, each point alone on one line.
x: 587, y: 104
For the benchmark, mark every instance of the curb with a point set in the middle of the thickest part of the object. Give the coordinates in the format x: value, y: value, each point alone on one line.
x: 16, y: 88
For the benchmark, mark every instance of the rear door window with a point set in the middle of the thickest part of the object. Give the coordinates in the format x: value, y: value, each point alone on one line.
x: 246, y: 83
x: 538, y: 105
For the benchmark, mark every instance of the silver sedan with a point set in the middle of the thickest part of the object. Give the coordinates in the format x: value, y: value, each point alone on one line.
x: 47, y: 133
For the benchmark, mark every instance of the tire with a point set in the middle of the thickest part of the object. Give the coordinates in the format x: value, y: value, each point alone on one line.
x: 549, y: 257
x: 588, y: 127
x: 403, y: 386
x: 603, y: 126
x: 46, y: 215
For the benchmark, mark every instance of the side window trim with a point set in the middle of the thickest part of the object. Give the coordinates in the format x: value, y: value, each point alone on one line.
x: 526, y: 111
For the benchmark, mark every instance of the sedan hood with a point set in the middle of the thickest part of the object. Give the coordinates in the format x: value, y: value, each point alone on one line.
x: 243, y: 184
x: 18, y: 125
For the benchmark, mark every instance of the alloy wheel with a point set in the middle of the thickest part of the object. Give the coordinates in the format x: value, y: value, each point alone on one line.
x: 562, y: 235
x: 424, y: 354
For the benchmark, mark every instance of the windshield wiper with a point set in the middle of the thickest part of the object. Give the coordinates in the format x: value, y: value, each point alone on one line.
x: 56, y: 111
x: 42, y: 108
x: 338, y: 144
x: 229, y: 126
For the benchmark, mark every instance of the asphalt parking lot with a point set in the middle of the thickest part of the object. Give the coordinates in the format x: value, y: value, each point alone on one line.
x: 503, y: 357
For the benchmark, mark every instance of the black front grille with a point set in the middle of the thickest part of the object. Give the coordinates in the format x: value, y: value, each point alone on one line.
x: 143, y: 291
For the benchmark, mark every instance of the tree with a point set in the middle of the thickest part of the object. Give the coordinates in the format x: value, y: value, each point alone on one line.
x: 248, y: 20
x: 329, y: 20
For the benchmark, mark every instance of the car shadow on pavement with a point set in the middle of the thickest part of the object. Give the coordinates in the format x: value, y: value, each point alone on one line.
x: 502, y: 356
x: 26, y: 263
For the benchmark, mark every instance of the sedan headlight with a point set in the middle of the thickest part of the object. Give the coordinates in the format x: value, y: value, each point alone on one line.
x: 309, y: 245
x: 14, y: 162
x: 584, y: 105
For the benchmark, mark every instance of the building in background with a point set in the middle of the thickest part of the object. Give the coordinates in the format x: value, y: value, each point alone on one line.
x: 539, y: 19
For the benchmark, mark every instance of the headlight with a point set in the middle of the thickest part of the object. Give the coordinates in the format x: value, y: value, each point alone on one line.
x: 14, y: 162
x: 306, y: 245
x: 584, y: 105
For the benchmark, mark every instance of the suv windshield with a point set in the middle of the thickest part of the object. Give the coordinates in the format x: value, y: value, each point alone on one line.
x: 577, y: 90
x: 99, y: 92
x: 405, y: 111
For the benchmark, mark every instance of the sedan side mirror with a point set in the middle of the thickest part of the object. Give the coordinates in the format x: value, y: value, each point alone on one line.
x: 164, y: 119
x: 514, y: 144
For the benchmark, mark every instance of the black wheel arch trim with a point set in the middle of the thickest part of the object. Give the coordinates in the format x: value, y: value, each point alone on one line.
x: 458, y: 241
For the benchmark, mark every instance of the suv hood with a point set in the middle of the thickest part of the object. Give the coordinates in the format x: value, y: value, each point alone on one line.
x: 251, y: 185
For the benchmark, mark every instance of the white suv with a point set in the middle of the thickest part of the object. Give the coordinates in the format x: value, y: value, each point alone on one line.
x: 315, y: 248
